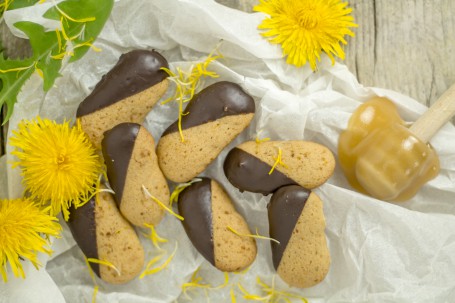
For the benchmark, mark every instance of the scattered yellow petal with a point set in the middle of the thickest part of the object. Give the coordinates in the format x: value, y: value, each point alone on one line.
x: 90, y: 270
x: 306, y: 28
x: 38, y: 70
x: 259, y: 141
x: 278, y: 161
x: 92, y: 276
x: 5, y: 5
x: 152, y: 262
x: 179, y: 188
x: 152, y: 271
x: 83, y: 20
x: 64, y: 24
x: 17, y: 69
x: 154, y: 237
x: 256, y: 236
x: 96, y: 191
x: 105, y: 263
x: 88, y: 43
x: 196, y: 283
x: 95, y: 292
x: 59, y: 164
x: 233, y: 299
x: 25, y: 229
x: 169, y: 210
x: 225, y: 283
x: 252, y: 297
x: 62, y: 55
x: 65, y: 36
x: 278, y: 294
x: 270, y: 293
x: 59, y: 39
x: 187, y: 83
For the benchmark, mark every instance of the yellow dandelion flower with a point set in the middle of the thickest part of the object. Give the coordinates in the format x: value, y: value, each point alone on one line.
x: 24, y: 231
x: 59, y: 164
x: 306, y: 28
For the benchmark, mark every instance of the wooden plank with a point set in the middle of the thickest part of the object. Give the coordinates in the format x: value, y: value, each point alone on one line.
x: 407, y: 46
x: 13, y: 47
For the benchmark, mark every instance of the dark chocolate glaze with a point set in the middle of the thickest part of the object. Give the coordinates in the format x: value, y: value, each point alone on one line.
x: 117, y: 146
x: 195, y: 205
x: 83, y: 227
x: 284, y: 210
x: 134, y: 72
x: 246, y: 172
x: 214, y: 102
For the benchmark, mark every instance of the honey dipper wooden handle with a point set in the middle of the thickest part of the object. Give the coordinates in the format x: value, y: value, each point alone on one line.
x: 436, y: 116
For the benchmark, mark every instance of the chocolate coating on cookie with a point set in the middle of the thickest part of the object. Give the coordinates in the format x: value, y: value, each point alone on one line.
x: 83, y: 227
x: 117, y: 146
x: 134, y: 72
x: 246, y: 172
x: 214, y: 102
x: 284, y: 210
x: 195, y: 205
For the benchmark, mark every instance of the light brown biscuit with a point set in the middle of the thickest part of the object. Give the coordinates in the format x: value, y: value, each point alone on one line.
x: 131, y: 109
x: 105, y: 236
x: 232, y: 252
x: 182, y: 161
x: 211, y: 120
x: 307, y: 163
x: 117, y: 242
x: 144, y: 170
x: 208, y: 212
x: 296, y: 219
x: 134, y: 173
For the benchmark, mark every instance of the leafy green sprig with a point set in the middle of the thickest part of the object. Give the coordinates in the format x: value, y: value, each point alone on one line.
x: 81, y: 21
x: 15, y: 4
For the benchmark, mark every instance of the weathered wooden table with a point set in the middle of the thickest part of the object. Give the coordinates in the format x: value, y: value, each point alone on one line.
x: 407, y: 46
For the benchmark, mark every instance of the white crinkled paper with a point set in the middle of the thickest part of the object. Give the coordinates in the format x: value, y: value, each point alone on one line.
x: 381, y: 252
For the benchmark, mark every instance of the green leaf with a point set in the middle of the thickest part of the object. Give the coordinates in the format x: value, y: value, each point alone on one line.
x: 79, y: 10
x: 44, y: 44
x: 13, y: 81
x: 15, y: 4
x: 82, y: 21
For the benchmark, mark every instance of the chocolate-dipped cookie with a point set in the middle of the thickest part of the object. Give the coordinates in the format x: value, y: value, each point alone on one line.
x: 103, y: 234
x: 131, y: 162
x: 296, y: 220
x: 126, y: 93
x: 214, y: 118
x: 248, y: 165
x: 208, y: 211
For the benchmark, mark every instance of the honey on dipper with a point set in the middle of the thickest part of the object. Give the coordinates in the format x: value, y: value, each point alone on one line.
x: 381, y: 157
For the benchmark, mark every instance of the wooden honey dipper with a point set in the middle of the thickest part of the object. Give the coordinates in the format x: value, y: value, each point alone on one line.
x: 386, y: 160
